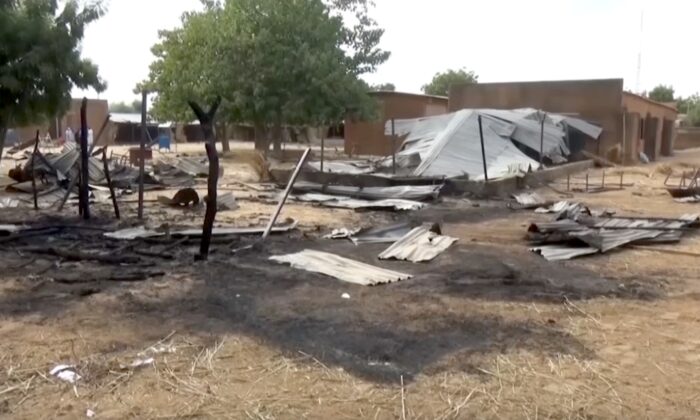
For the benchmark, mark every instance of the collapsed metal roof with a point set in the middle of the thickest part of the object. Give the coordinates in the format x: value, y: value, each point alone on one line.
x: 341, y: 268
x: 450, y: 144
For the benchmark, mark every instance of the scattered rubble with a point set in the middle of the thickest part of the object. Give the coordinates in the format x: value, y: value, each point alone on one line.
x: 576, y: 232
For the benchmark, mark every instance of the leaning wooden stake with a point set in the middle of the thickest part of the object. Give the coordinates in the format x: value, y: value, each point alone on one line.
x: 84, y: 162
x: 290, y: 184
x: 36, y: 150
x: 109, y: 182
x: 142, y: 151
x: 206, y: 120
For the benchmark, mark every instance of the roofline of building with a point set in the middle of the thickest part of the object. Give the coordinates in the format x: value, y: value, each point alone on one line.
x: 419, y: 95
x: 522, y: 82
x: 651, y: 101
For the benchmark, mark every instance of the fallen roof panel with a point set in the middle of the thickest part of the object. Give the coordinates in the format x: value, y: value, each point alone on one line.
x: 419, y: 245
x: 341, y: 268
x: 562, y: 252
x: 606, y: 240
x: 343, y: 202
x: 382, y: 235
x: 141, y: 232
x: 405, y: 192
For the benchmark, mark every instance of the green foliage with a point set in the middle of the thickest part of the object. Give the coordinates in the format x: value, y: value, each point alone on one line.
x: 383, y: 87
x: 693, y: 115
x: 40, y: 60
x: 440, y: 85
x: 294, y: 62
x: 123, y: 107
x: 684, y: 105
x: 662, y: 93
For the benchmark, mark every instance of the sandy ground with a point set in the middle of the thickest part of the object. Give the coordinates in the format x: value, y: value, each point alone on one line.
x: 487, y: 330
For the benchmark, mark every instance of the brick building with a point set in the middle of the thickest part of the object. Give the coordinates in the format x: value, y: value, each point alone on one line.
x: 630, y: 122
x: 367, y: 137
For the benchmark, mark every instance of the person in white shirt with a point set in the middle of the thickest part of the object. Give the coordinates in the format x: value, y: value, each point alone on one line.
x: 70, y: 137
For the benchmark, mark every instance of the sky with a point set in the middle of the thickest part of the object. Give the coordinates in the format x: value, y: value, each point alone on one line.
x: 500, y: 40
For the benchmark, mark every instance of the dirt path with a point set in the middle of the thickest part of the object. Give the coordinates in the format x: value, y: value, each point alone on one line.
x: 488, y: 330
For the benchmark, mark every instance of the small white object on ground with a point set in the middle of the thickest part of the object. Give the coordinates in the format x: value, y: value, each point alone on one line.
x: 65, y: 373
x: 346, y: 296
x: 90, y: 414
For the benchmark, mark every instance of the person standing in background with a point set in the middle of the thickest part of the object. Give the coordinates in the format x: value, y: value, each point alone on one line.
x: 70, y: 136
x: 90, y: 137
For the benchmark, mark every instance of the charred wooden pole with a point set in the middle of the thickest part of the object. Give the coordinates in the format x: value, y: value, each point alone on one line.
x: 290, y: 185
x: 323, y: 150
x: 108, y: 177
x: 393, y: 146
x: 36, y: 150
x: 206, y: 120
x: 544, y: 117
x: 84, y: 162
x: 142, y: 150
x: 483, y: 150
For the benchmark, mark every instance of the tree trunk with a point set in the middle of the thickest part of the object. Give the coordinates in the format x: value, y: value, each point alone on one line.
x: 3, y: 133
x: 225, y: 146
x: 206, y: 120
x: 277, y: 140
x: 261, y: 141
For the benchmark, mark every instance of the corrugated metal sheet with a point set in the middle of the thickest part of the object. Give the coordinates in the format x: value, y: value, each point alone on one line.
x: 343, y: 202
x: 341, y: 268
x: 404, y: 192
x: 562, y: 252
x: 606, y: 240
x: 226, y: 201
x: 342, y: 167
x: 449, y: 145
x: 382, y: 235
x: 142, y: 232
x: 529, y: 200
x: 637, y: 223
x: 419, y: 245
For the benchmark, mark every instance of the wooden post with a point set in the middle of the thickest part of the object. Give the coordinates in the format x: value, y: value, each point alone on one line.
x: 99, y: 133
x: 206, y: 120
x: 36, y: 150
x: 542, y: 141
x: 142, y: 150
x: 621, y: 175
x: 483, y: 150
x: 586, y: 181
x: 109, y: 182
x: 323, y: 150
x: 84, y: 162
x: 568, y: 182
x: 71, y: 185
x: 290, y: 184
x: 393, y: 146
x: 603, y: 178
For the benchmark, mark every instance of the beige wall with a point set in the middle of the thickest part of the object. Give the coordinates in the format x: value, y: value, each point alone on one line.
x: 687, y: 138
x: 654, y: 118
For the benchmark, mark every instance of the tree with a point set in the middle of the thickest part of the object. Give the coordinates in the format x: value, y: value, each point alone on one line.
x: 441, y: 83
x: 685, y: 105
x: 389, y: 87
x: 662, y: 93
x: 40, y: 59
x: 275, y: 63
x: 123, y: 107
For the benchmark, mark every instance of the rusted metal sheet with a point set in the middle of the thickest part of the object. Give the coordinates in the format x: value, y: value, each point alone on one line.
x: 419, y: 245
x: 341, y: 268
